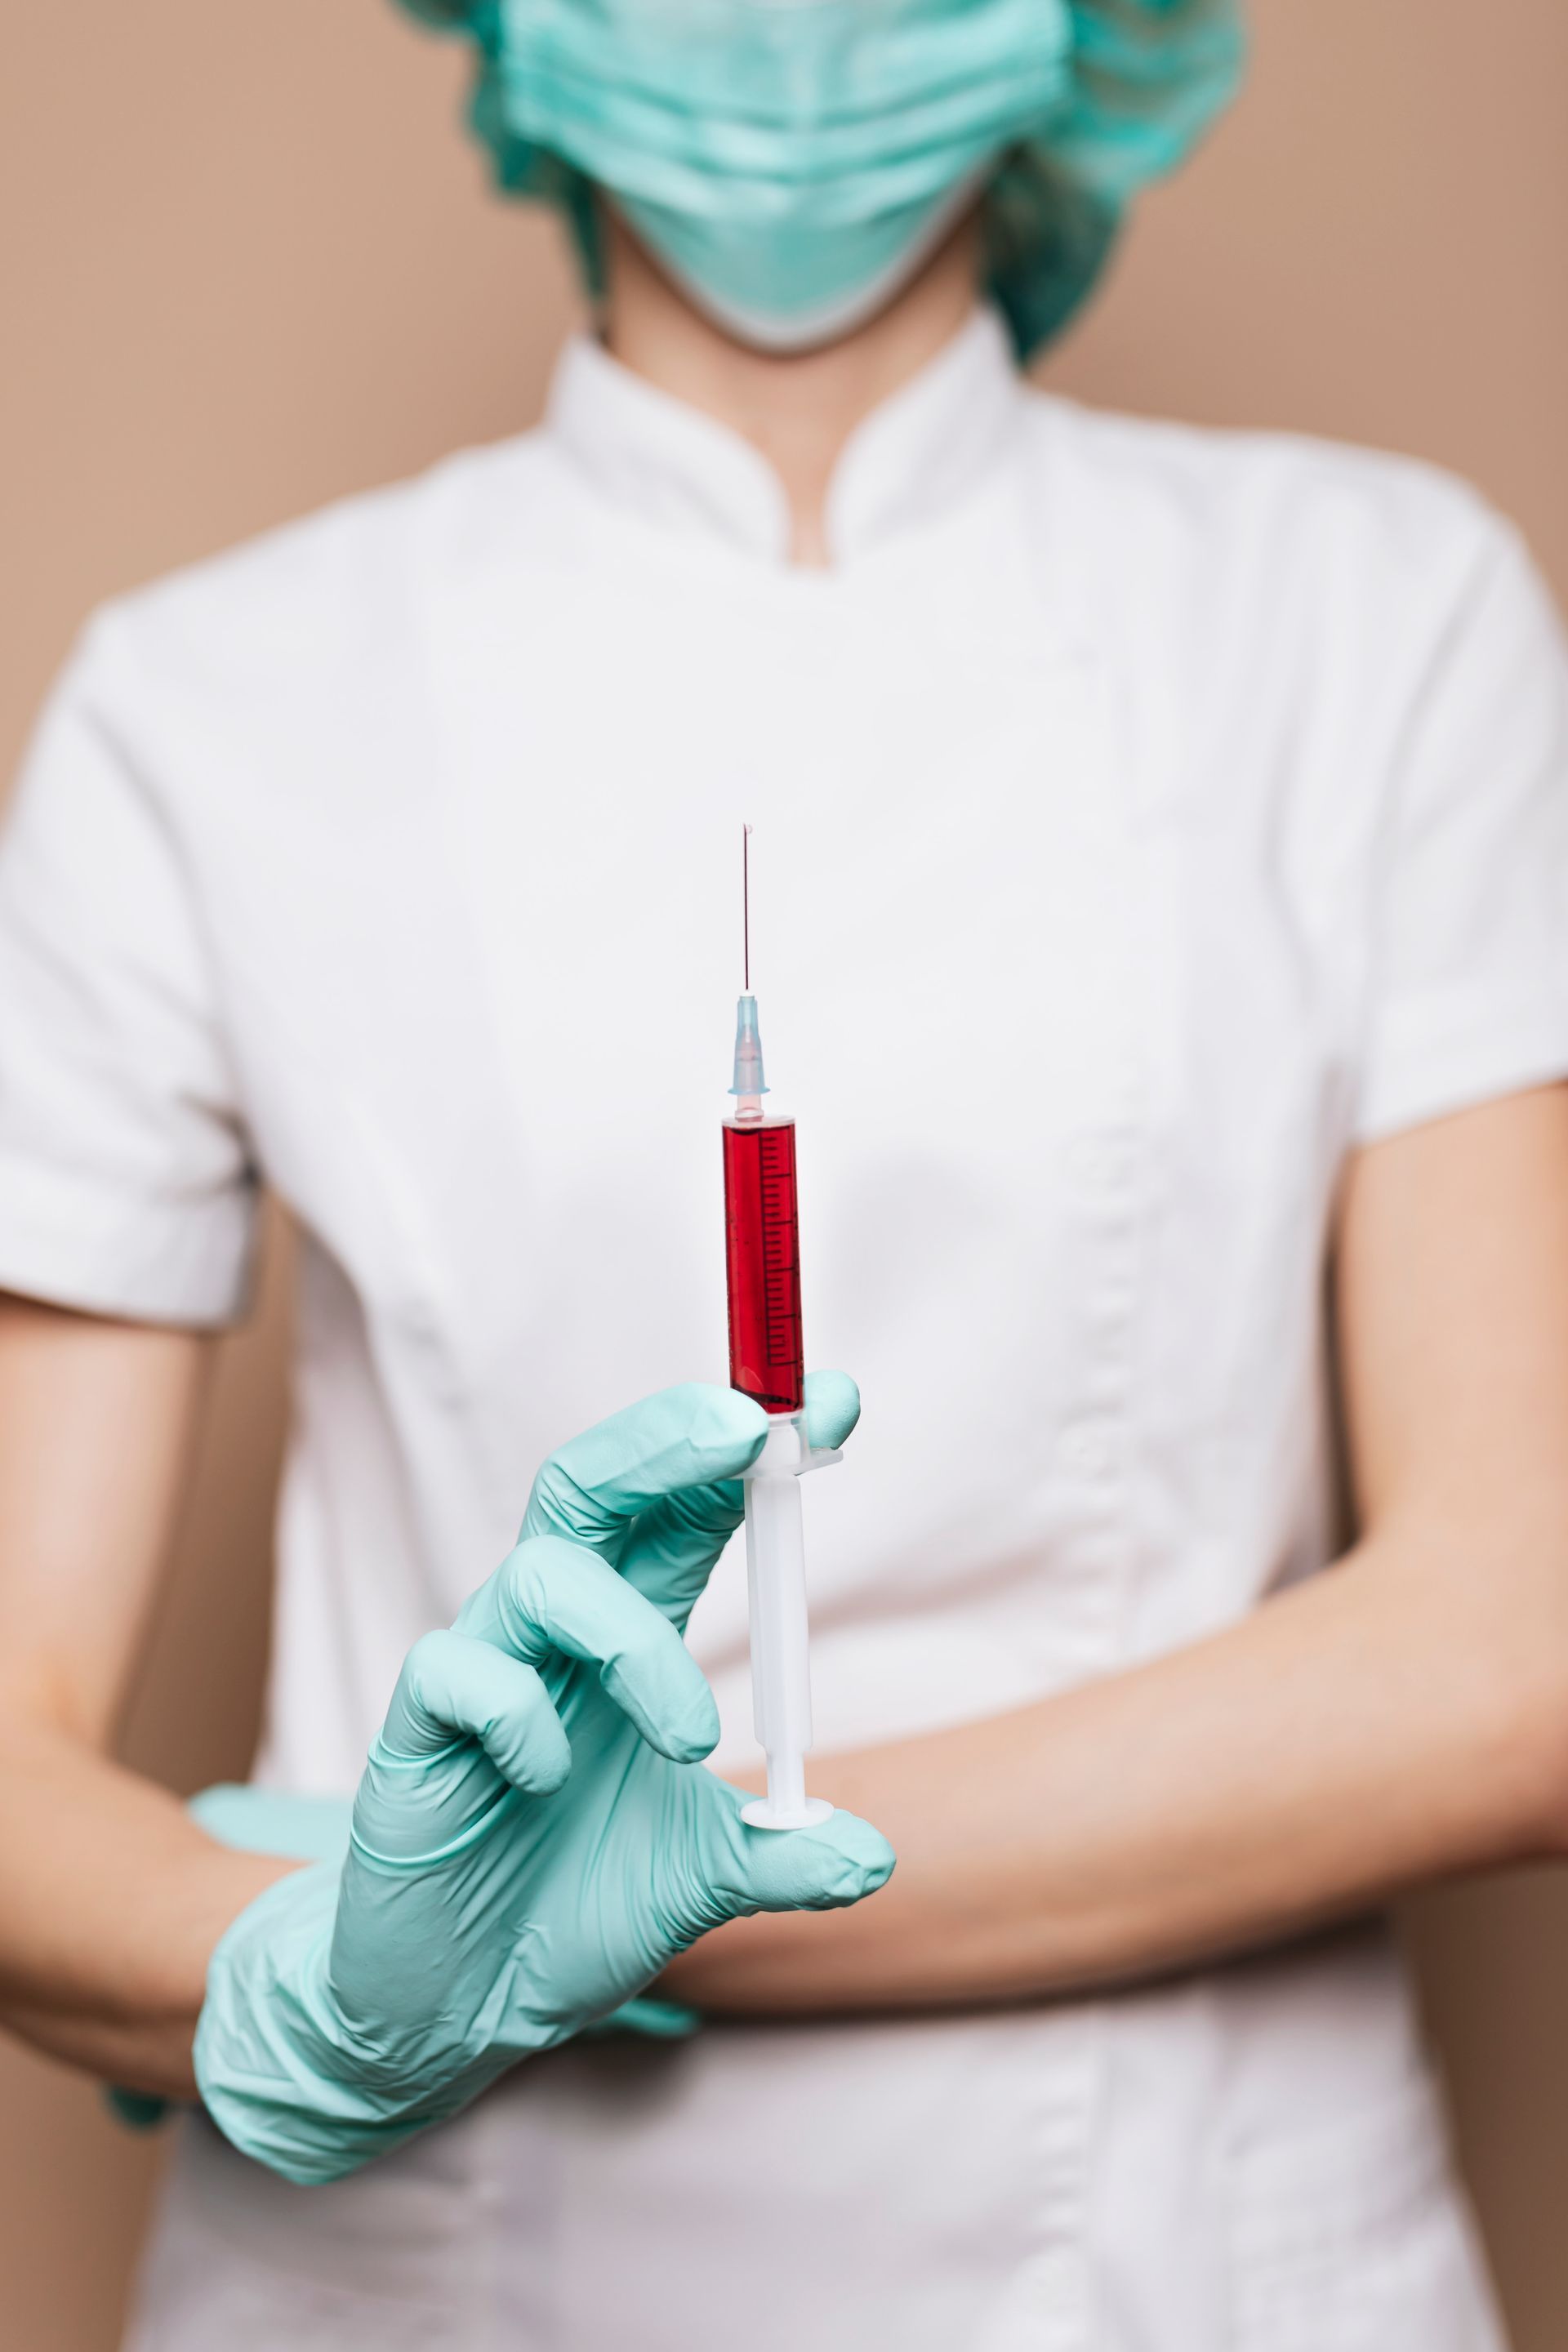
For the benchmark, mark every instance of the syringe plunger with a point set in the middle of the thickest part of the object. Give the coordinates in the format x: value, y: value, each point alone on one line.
x: 781, y: 1663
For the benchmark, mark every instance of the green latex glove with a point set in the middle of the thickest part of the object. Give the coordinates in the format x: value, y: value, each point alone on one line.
x: 269, y: 1821
x: 534, y: 1838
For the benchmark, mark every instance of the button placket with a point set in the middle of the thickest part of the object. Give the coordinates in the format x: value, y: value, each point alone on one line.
x: 1107, y: 1170
x: 1060, y: 2284
x: 1103, y: 1180
x: 1105, y: 1174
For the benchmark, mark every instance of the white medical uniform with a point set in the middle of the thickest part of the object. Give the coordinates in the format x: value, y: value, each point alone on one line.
x: 1145, y: 817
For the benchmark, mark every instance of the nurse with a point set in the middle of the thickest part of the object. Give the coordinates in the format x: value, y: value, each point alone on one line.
x: 1189, y: 814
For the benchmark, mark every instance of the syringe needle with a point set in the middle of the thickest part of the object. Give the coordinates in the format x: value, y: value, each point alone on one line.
x: 746, y: 905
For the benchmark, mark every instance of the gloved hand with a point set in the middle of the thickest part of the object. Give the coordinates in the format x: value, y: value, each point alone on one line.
x: 534, y: 1839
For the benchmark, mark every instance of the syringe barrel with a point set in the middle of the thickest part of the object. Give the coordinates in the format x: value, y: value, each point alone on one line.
x: 775, y: 1578
x: 761, y: 1233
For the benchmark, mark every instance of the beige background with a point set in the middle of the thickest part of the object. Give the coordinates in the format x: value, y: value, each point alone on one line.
x: 246, y: 264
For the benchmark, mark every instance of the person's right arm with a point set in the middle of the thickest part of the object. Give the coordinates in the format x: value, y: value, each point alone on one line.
x: 111, y: 1898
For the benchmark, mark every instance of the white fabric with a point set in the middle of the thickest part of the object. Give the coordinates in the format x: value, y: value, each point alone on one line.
x: 1154, y: 815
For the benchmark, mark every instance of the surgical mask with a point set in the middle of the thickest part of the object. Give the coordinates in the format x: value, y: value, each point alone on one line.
x: 790, y: 162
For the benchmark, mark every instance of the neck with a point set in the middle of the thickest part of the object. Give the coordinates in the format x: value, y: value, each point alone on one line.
x: 797, y: 408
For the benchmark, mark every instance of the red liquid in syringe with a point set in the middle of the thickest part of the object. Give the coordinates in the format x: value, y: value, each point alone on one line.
x: 762, y: 1231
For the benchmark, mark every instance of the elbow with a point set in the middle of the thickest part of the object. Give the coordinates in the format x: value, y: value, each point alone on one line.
x: 1545, y: 1820
x: 1487, y: 1618
x: 42, y: 1702
x: 1525, y: 1754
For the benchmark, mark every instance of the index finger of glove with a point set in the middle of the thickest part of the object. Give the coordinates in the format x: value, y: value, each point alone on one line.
x: 676, y: 1543
x: 683, y: 1437
x: 550, y: 1596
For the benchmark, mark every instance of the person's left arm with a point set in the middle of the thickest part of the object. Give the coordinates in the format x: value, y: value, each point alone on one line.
x: 1403, y: 1716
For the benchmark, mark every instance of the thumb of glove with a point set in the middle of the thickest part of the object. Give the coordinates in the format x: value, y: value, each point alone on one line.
x: 827, y: 1867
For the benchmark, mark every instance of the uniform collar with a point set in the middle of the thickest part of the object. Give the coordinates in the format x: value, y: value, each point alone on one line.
x: 913, y: 458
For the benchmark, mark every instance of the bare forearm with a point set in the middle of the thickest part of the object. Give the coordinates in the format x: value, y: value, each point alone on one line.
x: 111, y: 1902
x: 1368, y: 1730
x: 111, y: 1899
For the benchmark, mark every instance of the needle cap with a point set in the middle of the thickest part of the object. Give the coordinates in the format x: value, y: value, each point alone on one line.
x: 748, y: 1078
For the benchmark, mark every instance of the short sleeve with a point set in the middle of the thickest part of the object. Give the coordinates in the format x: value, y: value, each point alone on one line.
x: 125, y: 1184
x: 1470, y: 962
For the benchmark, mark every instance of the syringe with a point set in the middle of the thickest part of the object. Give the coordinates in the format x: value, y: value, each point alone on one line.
x: 767, y: 1362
